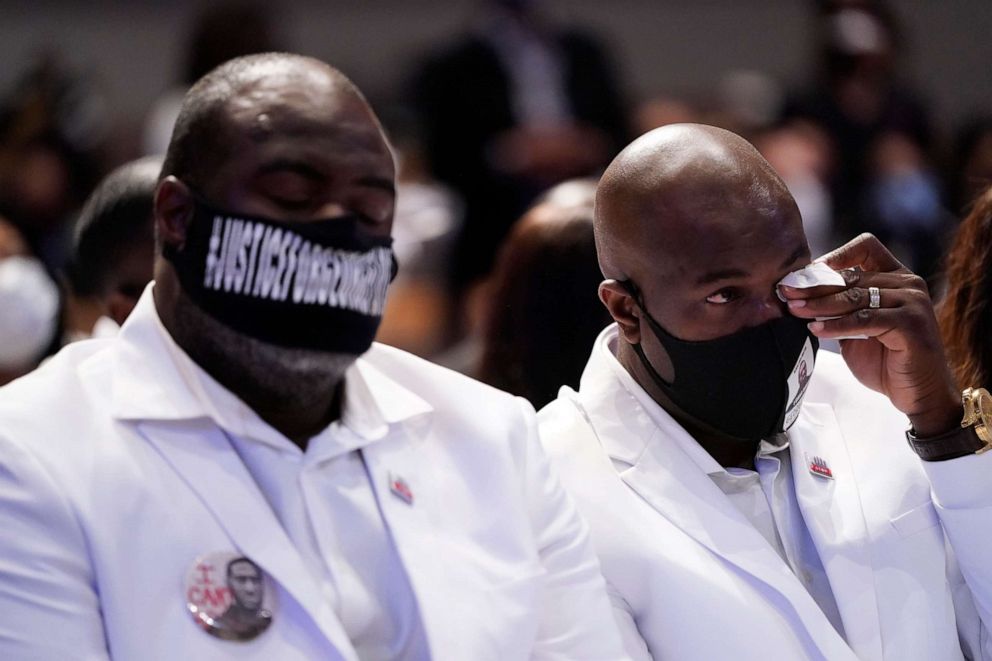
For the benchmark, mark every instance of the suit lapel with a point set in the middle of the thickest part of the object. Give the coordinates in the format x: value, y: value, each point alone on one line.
x: 673, y: 485
x: 203, y: 457
x: 835, y: 519
x: 671, y: 482
x: 407, y: 497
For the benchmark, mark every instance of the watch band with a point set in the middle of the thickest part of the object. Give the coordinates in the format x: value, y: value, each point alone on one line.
x: 958, y: 442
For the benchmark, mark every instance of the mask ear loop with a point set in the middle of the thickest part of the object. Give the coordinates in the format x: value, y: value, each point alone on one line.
x: 635, y: 293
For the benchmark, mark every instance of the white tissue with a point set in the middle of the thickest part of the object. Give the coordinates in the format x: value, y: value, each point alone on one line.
x: 816, y: 275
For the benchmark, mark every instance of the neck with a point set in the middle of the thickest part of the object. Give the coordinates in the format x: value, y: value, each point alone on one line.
x: 298, y: 413
x: 295, y: 391
x: 725, y: 450
x: 298, y: 420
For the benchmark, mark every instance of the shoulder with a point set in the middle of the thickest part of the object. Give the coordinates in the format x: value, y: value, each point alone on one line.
x: 569, y: 438
x: 50, y: 383
x: 473, y: 428
x: 413, y: 371
x: 59, y: 396
x: 559, y: 419
x: 447, y: 391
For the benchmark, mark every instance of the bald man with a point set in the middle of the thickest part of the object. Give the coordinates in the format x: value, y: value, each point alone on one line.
x: 393, y: 509
x: 743, y: 503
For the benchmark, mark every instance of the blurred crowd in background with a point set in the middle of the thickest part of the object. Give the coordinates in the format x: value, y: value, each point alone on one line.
x: 500, y: 133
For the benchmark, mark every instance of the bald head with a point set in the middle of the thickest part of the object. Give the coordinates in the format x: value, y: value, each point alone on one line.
x: 252, y: 94
x: 693, y: 231
x: 676, y: 184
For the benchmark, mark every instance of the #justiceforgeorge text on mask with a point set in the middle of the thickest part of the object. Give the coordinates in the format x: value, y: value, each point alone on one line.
x: 312, y: 285
x: 747, y: 385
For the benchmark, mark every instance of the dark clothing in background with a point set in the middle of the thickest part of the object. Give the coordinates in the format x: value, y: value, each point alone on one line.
x: 463, y: 96
x: 900, y: 112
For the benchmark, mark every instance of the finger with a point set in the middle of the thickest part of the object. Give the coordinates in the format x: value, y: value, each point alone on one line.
x: 866, y: 252
x: 854, y: 299
x: 858, y: 296
x: 788, y: 293
x: 888, y: 325
x: 850, y: 279
x: 856, y: 277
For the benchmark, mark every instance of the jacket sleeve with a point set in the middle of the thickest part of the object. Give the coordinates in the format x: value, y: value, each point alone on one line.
x: 576, y: 618
x: 633, y: 643
x: 49, y: 605
x: 962, y: 495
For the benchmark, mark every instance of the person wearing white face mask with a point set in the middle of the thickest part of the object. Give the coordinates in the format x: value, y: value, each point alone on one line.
x: 29, y: 300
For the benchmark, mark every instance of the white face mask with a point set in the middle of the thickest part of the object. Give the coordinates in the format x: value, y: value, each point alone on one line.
x: 30, y: 304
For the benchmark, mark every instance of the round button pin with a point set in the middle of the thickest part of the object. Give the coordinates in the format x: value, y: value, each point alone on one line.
x: 229, y: 596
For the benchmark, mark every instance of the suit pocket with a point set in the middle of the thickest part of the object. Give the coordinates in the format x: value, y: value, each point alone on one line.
x: 916, y: 520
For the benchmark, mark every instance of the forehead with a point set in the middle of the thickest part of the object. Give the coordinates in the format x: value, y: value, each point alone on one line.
x: 304, y: 115
x: 243, y: 569
x: 692, y: 241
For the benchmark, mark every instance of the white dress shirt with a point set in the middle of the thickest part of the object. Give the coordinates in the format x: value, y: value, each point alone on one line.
x: 765, y: 496
x: 324, y: 501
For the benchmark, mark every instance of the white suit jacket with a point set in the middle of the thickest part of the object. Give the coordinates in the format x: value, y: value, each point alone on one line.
x: 113, y: 480
x: 691, y: 578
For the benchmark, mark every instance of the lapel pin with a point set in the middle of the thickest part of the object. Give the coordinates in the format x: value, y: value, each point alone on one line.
x: 229, y: 596
x: 400, y: 489
x: 818, y: 466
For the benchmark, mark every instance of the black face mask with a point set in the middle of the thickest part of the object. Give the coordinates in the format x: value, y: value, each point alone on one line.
x: 748, y: 385
x: 310, y: 285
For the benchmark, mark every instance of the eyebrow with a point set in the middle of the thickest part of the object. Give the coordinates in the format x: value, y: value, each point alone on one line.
x: 726, y: 274
x: 723, y: 274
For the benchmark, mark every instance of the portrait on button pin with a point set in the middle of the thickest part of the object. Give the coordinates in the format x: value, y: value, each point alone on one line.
x: 798, y: 380
x: 229, y: 596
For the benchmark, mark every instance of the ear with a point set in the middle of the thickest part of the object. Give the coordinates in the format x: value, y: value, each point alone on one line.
x: 173, y: 211
x: 623, y: 308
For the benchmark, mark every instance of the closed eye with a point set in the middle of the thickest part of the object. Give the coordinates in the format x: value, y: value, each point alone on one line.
x: 290, y: 190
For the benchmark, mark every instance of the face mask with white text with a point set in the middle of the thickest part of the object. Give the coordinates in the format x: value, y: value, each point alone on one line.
x: 317, y: 285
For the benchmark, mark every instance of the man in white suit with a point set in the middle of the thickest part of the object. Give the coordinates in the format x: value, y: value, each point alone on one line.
x: 734, y: 517
x: 395, y: 510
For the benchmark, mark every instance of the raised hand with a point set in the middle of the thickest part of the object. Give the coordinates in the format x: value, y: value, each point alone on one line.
x: 902, y: 357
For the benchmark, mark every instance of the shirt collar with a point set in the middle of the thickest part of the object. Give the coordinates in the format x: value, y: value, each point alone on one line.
x: 154, y: 379
x: 605, y: 351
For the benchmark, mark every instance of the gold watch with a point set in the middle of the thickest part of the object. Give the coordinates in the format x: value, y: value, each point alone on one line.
x: 978, y: 414
x: 974, y: 436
